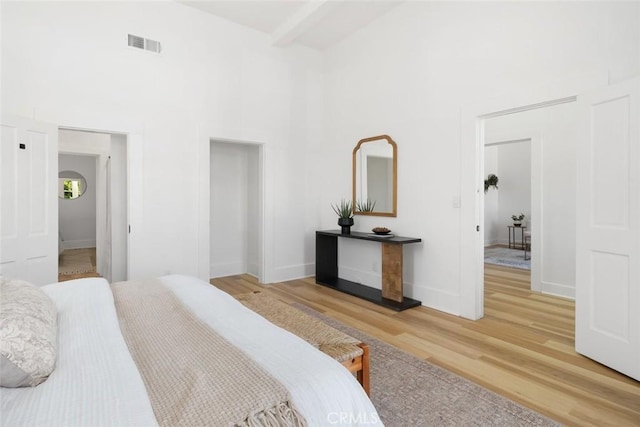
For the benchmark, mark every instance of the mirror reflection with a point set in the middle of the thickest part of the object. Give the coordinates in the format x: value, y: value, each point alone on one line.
x: 374, y: 176
x: 71, y: 185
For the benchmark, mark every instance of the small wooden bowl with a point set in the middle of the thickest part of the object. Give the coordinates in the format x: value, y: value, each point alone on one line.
x: 381, y: 230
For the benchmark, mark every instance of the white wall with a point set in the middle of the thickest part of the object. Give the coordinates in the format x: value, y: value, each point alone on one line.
x: 77, y: 217
x: 234, y: 209
x: 68, y: 63
x: 491, y: 197
x: 410, y: 73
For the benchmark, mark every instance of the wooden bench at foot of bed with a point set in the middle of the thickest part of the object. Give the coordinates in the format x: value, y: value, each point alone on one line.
x: 350, y: 352
x: 360, y: 366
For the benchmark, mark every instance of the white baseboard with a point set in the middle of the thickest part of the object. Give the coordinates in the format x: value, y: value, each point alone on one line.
x: 293, y: 272
x: 368, y: 278
x: 229, y: 269
x: 79, y: 244
x: 253, y: 269
x: 559, y: 290
x: 491, y: 242
x: 434, y: 298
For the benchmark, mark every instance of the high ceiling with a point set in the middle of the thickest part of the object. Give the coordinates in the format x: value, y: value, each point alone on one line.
x: 318, y: 24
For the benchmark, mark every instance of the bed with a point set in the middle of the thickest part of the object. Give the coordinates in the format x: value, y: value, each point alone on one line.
x: 96, y: 380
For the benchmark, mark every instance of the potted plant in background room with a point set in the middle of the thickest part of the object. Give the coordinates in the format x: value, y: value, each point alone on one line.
x: 344, y: 210
x: 491, y: 181
x: 517, y: 219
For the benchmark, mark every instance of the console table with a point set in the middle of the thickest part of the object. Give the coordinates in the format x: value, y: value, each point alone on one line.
x: 391, y: 295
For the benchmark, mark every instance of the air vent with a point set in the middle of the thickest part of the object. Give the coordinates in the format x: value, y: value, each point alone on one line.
x: 152, y: 45
x: 135, y: 41
x: 142, y: 43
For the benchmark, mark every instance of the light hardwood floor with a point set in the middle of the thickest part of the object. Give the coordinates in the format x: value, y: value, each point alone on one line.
x: 522, y: 349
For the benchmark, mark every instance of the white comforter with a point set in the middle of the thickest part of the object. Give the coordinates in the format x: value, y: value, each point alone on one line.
x: 96, y: 382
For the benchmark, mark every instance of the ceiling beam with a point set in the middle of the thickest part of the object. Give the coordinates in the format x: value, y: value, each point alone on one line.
x: 301, y: 21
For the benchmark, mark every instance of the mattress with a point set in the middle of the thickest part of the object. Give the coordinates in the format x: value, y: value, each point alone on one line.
x: 96, y: 381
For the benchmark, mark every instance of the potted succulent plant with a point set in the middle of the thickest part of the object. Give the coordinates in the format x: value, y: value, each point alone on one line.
x: 517, y: 219
x: 344, y: 210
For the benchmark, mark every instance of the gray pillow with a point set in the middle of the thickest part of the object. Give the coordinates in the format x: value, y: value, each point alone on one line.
x: 28, y: 332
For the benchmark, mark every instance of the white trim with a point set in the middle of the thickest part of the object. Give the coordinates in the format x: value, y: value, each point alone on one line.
x: 78, y: 244
x: 261, y: 228
x: 530, y: 107
x: 372, y: 279
x: 471, y: 277
x: 94, y: 122
x: 558, y: 289
x: 437, y: 298
x: 234, y: 136
x: 288, y: 272
x: 227, y: 269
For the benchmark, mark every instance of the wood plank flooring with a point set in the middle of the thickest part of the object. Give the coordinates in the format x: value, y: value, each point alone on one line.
x: 522, y: 349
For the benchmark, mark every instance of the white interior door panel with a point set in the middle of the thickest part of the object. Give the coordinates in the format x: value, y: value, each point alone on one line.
x: 29, y: 241
x: 608, y: 229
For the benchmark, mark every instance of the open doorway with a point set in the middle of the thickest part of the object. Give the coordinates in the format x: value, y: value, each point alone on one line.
x: 536, y: 155
x: 236, y: 209
x: 507, y: 203
x: 77, y: 203
x: 597, y: 138
x: 547, y: 183
x: 93, y: 230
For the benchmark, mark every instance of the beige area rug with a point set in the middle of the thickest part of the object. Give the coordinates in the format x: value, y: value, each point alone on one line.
x: 77, y: 261
x: 408, y: 391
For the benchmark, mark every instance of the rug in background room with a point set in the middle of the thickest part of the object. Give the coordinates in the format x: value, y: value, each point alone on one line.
x: 408, y: 391
x: 76, y: 261
x: 507, y: 257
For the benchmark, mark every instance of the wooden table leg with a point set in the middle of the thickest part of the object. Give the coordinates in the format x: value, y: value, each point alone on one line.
x: 392, y: 272
x: 363, y: 374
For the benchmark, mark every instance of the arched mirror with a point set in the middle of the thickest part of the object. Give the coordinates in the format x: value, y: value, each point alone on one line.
x: 375, y: 172
x: 71, y: 185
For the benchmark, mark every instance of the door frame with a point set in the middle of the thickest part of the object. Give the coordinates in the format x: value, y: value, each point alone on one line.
x: 108, y: 123
x: 473, y: 116
x: 102, y: 185
x: 260, y: 148
x: 102, y: 157
x: 207, y: 134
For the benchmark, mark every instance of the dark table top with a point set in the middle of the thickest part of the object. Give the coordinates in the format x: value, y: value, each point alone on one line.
x: 398, y: 240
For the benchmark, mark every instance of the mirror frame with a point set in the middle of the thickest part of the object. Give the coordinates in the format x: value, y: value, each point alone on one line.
x: 394, y: 201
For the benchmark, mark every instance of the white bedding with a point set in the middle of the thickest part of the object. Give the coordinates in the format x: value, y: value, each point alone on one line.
x: 96, y: 382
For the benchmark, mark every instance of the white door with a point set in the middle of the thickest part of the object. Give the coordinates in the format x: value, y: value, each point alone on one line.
x: 608, y: 228
x: 29, y: 201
